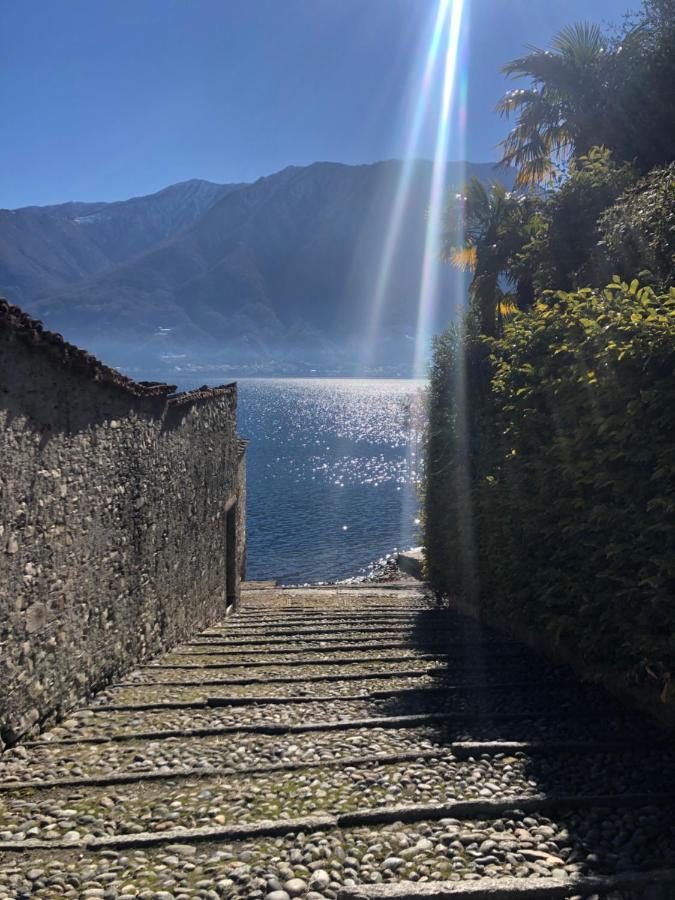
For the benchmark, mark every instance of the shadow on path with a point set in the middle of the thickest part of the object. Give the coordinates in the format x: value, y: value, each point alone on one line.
x: 502, y: 691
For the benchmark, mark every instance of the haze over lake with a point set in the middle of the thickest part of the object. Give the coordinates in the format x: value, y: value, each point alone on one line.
x: 332, y: 467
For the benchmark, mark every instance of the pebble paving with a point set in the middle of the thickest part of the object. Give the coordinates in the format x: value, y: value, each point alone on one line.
x: 373, y: 789
x: 199, y: 674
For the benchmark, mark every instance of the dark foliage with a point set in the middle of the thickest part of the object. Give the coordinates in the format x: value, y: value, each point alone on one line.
x: 638, y: 231
x: 589, y: 90
x: 551, y: 442
x: 558, y: 499
x: 562, y: 252
x: 639, y: 120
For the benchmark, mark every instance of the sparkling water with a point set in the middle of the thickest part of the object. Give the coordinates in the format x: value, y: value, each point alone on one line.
x: 332, y: 474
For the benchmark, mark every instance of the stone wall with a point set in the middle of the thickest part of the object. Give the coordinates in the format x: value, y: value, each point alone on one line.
x: 113, y: 499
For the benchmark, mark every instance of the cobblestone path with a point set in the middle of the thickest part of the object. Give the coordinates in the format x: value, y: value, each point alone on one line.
x: 342, y: 743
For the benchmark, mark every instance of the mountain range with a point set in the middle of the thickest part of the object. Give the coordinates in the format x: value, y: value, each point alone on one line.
x: 277, y: 276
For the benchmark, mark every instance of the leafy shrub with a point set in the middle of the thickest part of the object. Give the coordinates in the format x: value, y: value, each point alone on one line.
x: 639, y: 108
x: 561, y: 252
x: 570, y: 467
x: 441, y: 488
x: 638, y: 231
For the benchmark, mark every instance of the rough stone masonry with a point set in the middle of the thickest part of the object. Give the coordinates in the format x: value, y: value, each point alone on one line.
x: 122, y: 520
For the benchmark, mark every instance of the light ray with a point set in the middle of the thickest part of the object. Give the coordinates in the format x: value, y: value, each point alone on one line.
x: 462, y: 436
x: 428, y: 295
x: 391, y: 242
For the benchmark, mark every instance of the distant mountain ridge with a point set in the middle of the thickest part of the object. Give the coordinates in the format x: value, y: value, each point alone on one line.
x: 280, y: 273
x: 44, y: 248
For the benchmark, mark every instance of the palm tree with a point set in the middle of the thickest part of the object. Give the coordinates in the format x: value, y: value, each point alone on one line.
x: 561, y: 113
x: 483, y: 231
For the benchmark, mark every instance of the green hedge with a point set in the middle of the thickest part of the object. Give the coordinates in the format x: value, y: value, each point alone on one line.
x: 551, y: 482
x: 638, y: 231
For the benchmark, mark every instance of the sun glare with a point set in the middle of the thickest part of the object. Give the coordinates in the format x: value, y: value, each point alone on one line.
x: 451, y: 121
x: 438, y: 96
x: 412, y: 144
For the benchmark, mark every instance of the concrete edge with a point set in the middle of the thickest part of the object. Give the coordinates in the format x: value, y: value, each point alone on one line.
x: 289, y: 679
x: 402, y: 585
x: 258, y: 728
x: 406, y: 721
x: 510, y: 888
x: 228, y: 771
x: 442, y: 647
x: 272, y: 700
x: 459, y: 750
x: 298, y: 663
x: 464, y: 810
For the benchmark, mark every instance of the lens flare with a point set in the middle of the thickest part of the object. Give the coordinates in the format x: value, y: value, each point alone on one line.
x: 439, y: 108
x: 412, y: 147
x: 439, y: 104
x: 455, y: 53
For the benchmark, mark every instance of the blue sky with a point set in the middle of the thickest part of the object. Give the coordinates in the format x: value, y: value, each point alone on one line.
x: 106, y: 99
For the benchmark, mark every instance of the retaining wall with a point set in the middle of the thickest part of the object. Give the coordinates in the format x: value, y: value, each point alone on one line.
x: 113, y: 499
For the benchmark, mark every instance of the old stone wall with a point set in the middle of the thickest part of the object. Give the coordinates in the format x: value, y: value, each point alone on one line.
x: 113, y: 520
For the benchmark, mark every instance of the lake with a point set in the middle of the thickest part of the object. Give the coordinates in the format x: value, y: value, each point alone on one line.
x: 332, y: 471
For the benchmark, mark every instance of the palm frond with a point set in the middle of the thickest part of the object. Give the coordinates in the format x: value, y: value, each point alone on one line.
x: 537, y: 171
x: 507, y: 306
x: 464, y: 258
x: 521, y: 146
x: 582, y: 40
x: 514, y: 100
x: 498, y: 191
x: 544, y: 67
x: 555, y: 115
x: 532, y: 158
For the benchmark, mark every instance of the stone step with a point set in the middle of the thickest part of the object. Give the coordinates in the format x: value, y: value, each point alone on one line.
x: 499, y: 655
x: 313, y: 671
x: 45, y: 760
x: 352, y: 613
x: 224, y: 649
x: 215, y: 772
x: 461, y: 702
x: 464, y: 725
x: 434, y: 692
x: 232, y: 799
x: 257, y: 690
x: 330, y: 656
x: 347, y: 614
x: 607, y: 755
x: 328, y: 854
x: 523, y: 807
x: 183, y: 757
x: 349, y: 636
x: 661, y: 881
x: 389, y: 722
x: 337, y: 592
x: 310, y: 667
x: 349, y: 658
x: 506, y: 706
x: 329, y: 629
x: 301, y: 658
x: 356, y: 740
x: 344, y: 607
x: 353, y: 637
x: 235, y: 797
x: 156, y: 676
x: 408, y: 602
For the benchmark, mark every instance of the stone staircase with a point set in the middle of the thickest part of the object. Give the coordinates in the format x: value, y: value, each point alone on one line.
x: 343, y: 743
